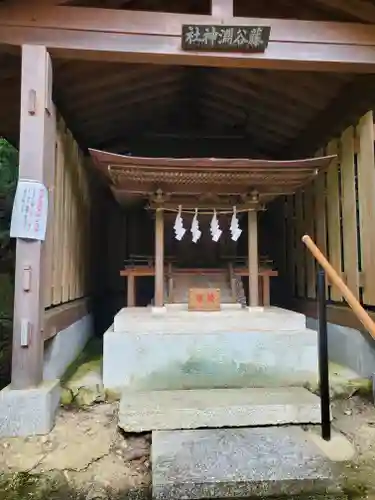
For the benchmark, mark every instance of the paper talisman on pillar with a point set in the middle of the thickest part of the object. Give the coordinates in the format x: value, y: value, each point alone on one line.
x: 30, y: 211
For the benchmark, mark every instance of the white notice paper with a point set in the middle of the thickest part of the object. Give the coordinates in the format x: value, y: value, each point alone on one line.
x: 30, y: 210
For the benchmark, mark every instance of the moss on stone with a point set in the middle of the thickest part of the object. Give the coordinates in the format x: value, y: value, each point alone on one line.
x: 22, y: 485
x: 66, y: 396
x: 88, y: 361
x: 112, y: 396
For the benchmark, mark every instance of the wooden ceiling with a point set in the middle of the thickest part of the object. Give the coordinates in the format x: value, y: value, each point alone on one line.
x: 143, y: 109
x: 274, y: 114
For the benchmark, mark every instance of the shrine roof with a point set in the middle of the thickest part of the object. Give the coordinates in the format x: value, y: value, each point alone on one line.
x: 131, y: 176
x: 106, y: 161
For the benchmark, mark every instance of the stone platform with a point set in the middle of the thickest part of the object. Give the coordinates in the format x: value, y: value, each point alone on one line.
x: 235, y: 348
x: 193, y: 409
x: 232, y: 318
x: 240, y: 463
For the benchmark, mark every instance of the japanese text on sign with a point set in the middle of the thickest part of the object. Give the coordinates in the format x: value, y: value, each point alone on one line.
x: 30, y: 209
x: 230, y: 38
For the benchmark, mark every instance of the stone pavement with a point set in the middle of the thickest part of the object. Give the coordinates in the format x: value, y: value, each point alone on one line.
x: 239, y: 463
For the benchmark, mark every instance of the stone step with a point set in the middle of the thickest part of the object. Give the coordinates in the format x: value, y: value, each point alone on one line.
x: 240, y: 463
x: 192, y: 409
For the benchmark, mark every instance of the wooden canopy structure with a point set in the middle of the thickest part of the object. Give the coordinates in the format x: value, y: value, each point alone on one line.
x: 116, y: 72
x: 204, y: 182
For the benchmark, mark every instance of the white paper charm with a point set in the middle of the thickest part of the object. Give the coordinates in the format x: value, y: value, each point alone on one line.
x: 179, y: 226
x: 30, y: 211
x: 195, y: 227
x: 216, y: 232
x: 234, y: 226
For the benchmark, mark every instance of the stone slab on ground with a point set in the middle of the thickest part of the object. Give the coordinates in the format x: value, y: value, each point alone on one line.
x: 29, y: 412
x: 192, y: 409
x: 239, y: 463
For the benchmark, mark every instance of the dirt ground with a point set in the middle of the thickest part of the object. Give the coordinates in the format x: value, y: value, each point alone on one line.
x: 87, y: 457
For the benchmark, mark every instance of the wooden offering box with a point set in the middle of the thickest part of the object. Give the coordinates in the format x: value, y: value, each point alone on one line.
x: 204, y: 299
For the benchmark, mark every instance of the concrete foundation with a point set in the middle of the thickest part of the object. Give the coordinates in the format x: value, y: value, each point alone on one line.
x: 349, y: 347
x: 29, y: 412
x: 65, y: 347
x: 186, y: 350
x: 168, y: 410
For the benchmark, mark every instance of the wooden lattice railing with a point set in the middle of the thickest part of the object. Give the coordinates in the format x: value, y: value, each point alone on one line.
x: 338, y: 211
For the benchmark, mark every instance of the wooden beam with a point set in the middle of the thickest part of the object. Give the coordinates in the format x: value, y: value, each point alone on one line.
x: 36, y: 161
x: 109, y: 35
x: 120, y: 22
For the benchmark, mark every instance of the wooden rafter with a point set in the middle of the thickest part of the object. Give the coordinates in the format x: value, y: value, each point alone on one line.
x: 341, y: 112
x: 358, y: 9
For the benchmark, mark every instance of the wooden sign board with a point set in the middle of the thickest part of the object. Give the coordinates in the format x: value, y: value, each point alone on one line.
x: 225, y: 38
x: 204, y: 299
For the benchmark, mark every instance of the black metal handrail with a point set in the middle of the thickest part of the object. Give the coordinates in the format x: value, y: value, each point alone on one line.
x: 323, y: 357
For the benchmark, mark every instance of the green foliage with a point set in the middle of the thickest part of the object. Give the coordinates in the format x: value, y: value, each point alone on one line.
x: 8, y: 183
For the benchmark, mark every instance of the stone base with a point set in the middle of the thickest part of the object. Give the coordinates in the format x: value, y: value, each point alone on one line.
x: 168, y: 410
x: 173, y: 361
x: 240, y: 463
x: 29, y: 412
x: 256, y: 309
x: 158, y: 310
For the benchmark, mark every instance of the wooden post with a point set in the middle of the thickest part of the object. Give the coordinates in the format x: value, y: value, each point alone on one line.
x: 222, y: 8
x: 266, y: 290
x: 130, y: 290
x: 159, y: 258
x: 37, y: 156
x: 253, y: 258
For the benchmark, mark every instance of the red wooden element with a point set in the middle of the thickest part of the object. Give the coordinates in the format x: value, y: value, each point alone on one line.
x: 204, y: 299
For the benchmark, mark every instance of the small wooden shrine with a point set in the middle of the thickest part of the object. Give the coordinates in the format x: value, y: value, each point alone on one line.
x: 203, y: 188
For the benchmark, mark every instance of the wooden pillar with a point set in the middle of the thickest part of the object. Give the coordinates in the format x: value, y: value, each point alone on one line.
x: 222, y: 8
x: 159, y: 258
x: 253, y: 258
x: 36, y: 162
x: 130, y: 302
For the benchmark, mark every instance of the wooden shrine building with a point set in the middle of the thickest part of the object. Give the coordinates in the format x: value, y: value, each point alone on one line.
x: 206, y: 185
x: 129, y: 112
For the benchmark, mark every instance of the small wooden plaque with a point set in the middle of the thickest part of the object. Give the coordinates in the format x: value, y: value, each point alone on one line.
x: 204, y: 299
x: 225, y: 38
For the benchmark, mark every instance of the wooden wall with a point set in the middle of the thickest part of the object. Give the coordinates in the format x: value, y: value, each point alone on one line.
x: 338, y: 211
x: 68, y: 238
